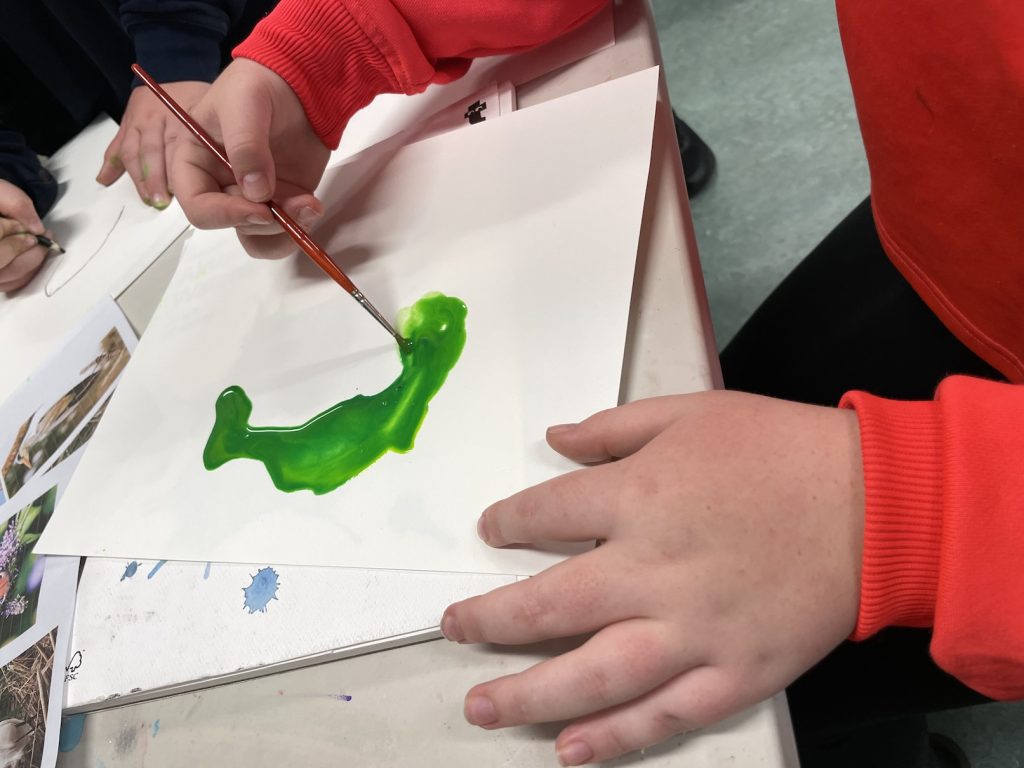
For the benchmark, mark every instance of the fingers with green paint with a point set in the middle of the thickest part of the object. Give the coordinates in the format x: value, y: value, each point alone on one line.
x: 145, y: 142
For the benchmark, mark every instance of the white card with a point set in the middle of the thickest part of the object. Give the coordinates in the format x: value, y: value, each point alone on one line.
x: 532, y: 220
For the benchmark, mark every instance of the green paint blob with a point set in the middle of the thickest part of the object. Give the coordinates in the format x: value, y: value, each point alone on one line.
x: 338, y: 444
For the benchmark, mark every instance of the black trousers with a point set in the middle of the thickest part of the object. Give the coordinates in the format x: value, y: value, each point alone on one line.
x: 846, y: 319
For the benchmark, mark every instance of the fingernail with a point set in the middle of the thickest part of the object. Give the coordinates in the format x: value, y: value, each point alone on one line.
x: 254, y: 219
x: 480, y: 710
x: 148, y: 201
x: 451, y: 630
x: 99, y: 180
x: 554, y: 430
x: 160, y: 202
x: 30, y: 240
x: 308, y: 217
x: 481, y: 529
x: 255, y: 186
x: 575, y: 753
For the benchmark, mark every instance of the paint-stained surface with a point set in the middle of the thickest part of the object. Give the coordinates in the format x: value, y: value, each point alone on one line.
x: 261, y: 591
x: 130, y: 570
x: 156, y: 569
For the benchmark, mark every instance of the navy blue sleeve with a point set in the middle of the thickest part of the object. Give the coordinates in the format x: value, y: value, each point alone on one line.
x: 20, y: 166
x: 179, y: 39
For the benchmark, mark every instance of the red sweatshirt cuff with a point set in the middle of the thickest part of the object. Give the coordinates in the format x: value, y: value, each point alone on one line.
x: 902, y: 454
x: 335, y: 58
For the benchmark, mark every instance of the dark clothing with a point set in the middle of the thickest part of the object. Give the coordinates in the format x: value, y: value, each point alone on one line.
x: 65, y: 61
x: 20, y: 166
x: 845, y: 319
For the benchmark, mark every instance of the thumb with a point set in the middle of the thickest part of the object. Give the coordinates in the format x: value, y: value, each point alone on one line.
x: 618, y: 432
x: 245, y: 122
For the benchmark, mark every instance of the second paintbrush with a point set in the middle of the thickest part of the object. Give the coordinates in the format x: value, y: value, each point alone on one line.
x: 297, y: 233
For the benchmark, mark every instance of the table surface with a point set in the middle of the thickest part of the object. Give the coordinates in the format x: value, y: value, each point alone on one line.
x: 406, y: 703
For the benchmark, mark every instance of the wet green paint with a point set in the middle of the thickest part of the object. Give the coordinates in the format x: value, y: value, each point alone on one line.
x: 338, y: 444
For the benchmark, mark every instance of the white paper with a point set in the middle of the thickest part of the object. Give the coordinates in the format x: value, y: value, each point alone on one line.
x: 40, y: 634
x: 111, y: 237
x: 532, y: 220
x: 393, y: 113
x: 40, y: 419
x: 143, y: 630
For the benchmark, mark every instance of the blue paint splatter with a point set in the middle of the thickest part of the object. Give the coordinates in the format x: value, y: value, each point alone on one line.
x: 156, y: 568
x: 206, y: 573
x: 156, y: 727
x: 262, y: 590
x: 71, y: 732
x: 130, y: 570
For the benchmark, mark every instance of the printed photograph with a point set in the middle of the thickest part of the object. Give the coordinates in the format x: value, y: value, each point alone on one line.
x: 85, y: 434
x: 45, y: 431
x: 21, y: 571
x: 24, y: 696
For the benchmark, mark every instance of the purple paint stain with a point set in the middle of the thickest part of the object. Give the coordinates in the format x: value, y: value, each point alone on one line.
x: 262, y: 590
x: 157, y: 567
x: 130, y: 570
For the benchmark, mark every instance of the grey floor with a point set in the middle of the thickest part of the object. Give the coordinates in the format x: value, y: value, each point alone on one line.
x: 764, y: 83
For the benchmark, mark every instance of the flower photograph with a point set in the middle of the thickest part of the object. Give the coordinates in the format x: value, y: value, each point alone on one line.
x: 21, y: 571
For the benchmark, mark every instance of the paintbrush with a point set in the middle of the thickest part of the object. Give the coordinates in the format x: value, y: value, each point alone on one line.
x: 297, y: 233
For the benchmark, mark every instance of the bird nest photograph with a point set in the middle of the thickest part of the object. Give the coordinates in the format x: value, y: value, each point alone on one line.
x: 24, y: 698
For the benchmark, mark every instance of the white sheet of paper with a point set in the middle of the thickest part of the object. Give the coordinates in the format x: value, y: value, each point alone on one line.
x: 142, y: 631
x: 393, y: 113
x: 532, y: 220
x: 102, y: 259
x: 50, y: 632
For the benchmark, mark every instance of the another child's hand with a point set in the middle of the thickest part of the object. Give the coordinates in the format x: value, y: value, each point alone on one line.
x: 272, y: 148
x: 732, y: 532
x: 144, y: 145
x: 20, y: 254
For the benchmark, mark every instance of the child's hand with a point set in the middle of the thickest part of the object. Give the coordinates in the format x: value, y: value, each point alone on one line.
x: 145, y: 143
x: 732, y: 532
x: 272, y: 148
x: 20, y: 254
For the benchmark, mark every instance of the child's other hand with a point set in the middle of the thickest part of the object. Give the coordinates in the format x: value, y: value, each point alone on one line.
x: 20, y: 254
x: 272, y: 148
x: 732, y: 528
x: 144, y: 146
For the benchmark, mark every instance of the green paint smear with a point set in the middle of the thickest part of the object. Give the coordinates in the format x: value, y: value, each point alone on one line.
x: 336, y: 445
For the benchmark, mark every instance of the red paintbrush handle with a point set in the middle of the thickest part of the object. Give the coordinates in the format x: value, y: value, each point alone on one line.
x: 297, y: 233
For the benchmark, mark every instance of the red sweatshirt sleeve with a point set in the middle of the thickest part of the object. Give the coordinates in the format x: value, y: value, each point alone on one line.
x: 337, y: 55
x: 944, y: 529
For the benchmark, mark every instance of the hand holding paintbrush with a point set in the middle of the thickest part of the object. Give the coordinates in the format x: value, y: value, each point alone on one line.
x: 255, y: 185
